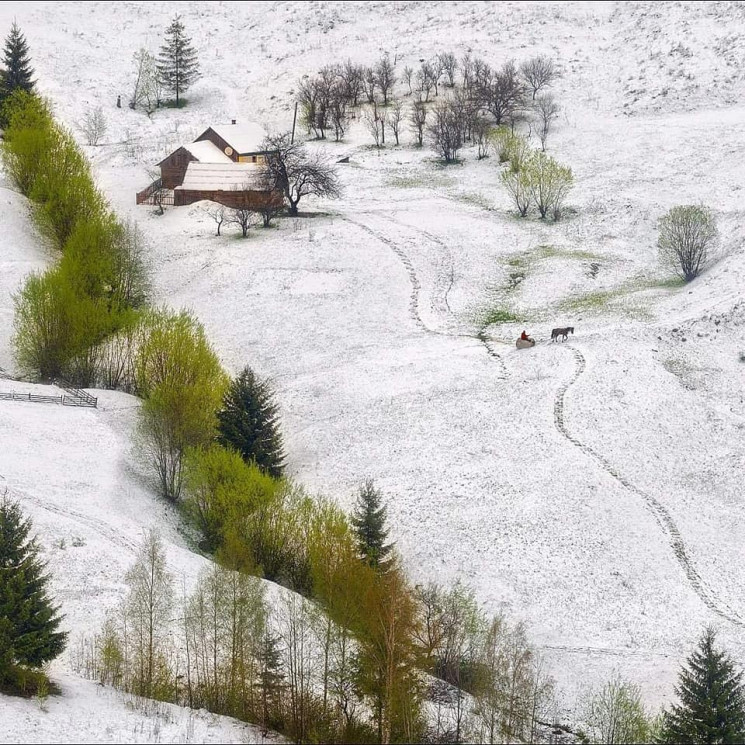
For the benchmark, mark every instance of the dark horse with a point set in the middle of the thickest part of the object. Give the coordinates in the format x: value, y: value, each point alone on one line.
x: 556, y: 333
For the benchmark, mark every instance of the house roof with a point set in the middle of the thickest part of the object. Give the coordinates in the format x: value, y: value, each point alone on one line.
x: 222, y: 177
x: 243, y: 138
x: 207, y: 152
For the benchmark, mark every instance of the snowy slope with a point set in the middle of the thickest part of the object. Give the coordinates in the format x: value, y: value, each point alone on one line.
x: 591, y: 488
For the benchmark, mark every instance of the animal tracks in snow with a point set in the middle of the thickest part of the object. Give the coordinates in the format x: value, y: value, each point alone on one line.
x: 443, y: 284
x: 659, y: 511
x: 105, y: 530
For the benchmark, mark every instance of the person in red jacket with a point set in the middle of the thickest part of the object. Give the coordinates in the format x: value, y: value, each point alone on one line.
x: 525, y: 337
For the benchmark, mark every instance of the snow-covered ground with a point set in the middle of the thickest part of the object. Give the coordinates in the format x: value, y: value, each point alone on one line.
x: 591, y: 488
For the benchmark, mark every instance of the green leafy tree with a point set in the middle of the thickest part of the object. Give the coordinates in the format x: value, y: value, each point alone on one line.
x: 178, y: 67
x: 615, y: 714
x: 179, y: 375
x: 18, y: 73
x: 29, y: 622
x: 368, y: 520
x: 548, y: 183
x: 249, y: 423
x: 222, y: 490
x: 712, y: 699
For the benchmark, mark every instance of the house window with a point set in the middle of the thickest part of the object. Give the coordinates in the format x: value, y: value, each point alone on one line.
x: 253, y: 158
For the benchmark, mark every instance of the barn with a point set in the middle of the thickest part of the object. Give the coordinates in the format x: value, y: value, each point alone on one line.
x: 224, y: 165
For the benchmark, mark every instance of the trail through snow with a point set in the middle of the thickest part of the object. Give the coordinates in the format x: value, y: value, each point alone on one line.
x: 661, y: 514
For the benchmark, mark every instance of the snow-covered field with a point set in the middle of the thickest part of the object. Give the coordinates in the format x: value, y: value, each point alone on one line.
x: 592, y: 488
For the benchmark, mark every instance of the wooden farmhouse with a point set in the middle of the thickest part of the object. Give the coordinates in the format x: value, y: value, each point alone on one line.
x: 224, y: 164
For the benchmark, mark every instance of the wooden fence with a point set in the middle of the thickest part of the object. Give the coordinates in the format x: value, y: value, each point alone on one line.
x: 76, y: 396
x: 72, y: 397
x: 64, y: 400
x: 155, y: 194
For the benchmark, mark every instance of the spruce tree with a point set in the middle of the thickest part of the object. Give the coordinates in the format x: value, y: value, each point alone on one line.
x: 249, y: 423
x: 271, y: 678
x: 17, y: 73
x: 712, y: 699
x: 178, y: 66
x: 29, y: 621
x: 368, y: 520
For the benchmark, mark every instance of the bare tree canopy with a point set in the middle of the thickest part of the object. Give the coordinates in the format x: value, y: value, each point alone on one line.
x: 418, y: 120
x: 243, y: 217
x: 687, y: 234
x: 217, y: 213
x: 297, y: 173
x: 546, y: 111
x: 501, y: 92
x: 93, y: 126
x: 446, y: 131
x: 539, y: 72
x: 448, y: 64
x: 385, y: 78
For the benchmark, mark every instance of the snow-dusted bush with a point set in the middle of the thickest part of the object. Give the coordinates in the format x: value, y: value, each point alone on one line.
x: 688, y: 233
x: 93, y: 126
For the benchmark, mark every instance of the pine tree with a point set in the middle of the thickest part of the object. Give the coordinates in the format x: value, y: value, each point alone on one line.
x: 28, y: 619
x: 178, y: 66
x: 712, y: 699
x: 271, y: 679
x: 17, y: 73
x: 248, y: 422
x: 368, y: 520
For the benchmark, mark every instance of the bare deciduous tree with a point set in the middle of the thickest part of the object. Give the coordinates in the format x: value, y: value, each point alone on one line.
x: 338, y: 111
x: 538, y: 72
x: 244, y: 217
x: 446, y: 131
x: 395, y: 118
x: 353, y: 82
x: 385, y: 77
x: 297, y: 173
x: 373, y: 124
x: 687, y: 234
x: 407, y: 77
x: 480, y: 129
x: 217, y: 213
x: 546, y: 111
x: 425, y: 80
x: 500, y: 92
x: 93, y: 125
x: 370, y: 81
x: 315, y: 96
x: 418, y: 121
x: 268, y: 210
x: 448, y: 64
x: 466, y: 71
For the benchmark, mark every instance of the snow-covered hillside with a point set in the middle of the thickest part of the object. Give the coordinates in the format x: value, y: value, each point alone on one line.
x: 592, y: 488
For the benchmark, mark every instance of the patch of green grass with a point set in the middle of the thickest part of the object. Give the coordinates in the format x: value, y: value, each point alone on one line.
x: 591, y: 301
x: 550, y: 252
x: 498, y: 314
x: 420, y: 180
x: 601, y: 300
x: 476, y: 199
x: 670, y: 283
x: 518, y: 262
